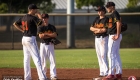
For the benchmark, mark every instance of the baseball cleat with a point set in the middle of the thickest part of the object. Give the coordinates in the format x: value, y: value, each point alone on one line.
x: 110, y: 77
x: 118, y: 76
x: 54, y: 78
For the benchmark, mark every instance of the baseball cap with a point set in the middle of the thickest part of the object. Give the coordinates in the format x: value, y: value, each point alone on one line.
x: 100, y: 8
x: 45, y: 15
x: 32, y: 6
x: 109, y: 4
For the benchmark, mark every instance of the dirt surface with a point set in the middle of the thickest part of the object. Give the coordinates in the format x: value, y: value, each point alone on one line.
x: 64, y: 74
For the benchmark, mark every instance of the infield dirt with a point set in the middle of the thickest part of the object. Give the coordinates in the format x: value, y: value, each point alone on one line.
x: 66, y: 74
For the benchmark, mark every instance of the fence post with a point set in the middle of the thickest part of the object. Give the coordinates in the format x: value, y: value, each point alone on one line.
x: 70, y: 25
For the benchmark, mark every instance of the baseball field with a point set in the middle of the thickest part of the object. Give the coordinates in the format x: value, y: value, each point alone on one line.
x: 72, y: 64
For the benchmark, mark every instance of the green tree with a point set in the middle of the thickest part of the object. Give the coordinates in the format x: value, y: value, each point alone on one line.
x: 132, y: 6
x: 47, y: 9
x: 87, y: 3
x: 132, y: 3
x: 3, y: 8
x: 20, y: 6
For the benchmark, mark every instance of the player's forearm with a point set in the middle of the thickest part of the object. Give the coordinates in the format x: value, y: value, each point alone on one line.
x: 102, y: 30
x: 118, y: 26
x: 39, y: 15
x: 93, y: 29
x: 42, y: 36
x: 46, y: 37
x: 53, y: 35
x: 18, y: 27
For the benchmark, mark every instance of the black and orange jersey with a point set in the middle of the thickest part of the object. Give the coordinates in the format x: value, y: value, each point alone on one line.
x: 46, y: 29
x: 101, y: 23
x: 113, y: 18
x: 29, y: 24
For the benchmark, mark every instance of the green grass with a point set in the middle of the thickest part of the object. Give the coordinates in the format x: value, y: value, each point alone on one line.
x: 71, y: 58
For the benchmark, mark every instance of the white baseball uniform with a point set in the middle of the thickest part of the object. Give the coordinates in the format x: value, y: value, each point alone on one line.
x: 101, y: 50
x: 101, y: 45
x: 30, y: 48
x: 113, y: 55
x: 114, y: 46
x: 47, y: 50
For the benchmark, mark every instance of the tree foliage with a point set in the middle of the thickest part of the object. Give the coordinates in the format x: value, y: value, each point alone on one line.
x: 80, y: 3
x: 20, y: 6
x: 3, y: 8
x: 47, y: 9
x: 133, y: 6
x: 132, y: 3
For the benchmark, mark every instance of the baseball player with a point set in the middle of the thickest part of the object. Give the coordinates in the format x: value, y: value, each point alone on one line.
x: 101, y: 39
x: 47, y: 32
x: 29, y: 23
x: 115, y: 37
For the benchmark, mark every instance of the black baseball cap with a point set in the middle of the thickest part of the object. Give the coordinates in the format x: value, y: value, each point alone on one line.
x: 32, y: 6
x: 45, y: 15
x: 100, y: 8
x: 109, y: 4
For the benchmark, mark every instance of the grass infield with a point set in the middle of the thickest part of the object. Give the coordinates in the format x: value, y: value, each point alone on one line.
x: 71, y: 58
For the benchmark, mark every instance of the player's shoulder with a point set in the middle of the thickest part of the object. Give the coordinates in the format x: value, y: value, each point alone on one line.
x: 106, y: 18
x: 96, y: 18
x: 51, y: 25
x: 40, y: 27
x: 115, y: 13
x: 25, y: 16
x: 32, y: 16
x: 29, y: 17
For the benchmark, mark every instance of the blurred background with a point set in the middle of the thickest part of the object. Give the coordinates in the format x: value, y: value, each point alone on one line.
x: 83, y: 14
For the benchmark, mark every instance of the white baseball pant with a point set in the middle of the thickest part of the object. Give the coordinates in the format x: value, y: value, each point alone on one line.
x: 114, y: 56
x: 30, y: 49
x: 47, y: 51
x: 101, y: 45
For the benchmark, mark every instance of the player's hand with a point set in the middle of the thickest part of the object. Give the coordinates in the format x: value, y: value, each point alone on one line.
x: 38, y: 14
x: 91, y: 28
x: 41, y: 36
x: 97, y: 31
x: 22, y: 31
x: 115, y: 37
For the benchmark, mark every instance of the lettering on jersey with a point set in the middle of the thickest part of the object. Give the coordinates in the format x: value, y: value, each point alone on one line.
x: 100, y: 25
x: 115, y: 19
x: 110, y: 23
x: 24, y: 25
x: 106, y: 25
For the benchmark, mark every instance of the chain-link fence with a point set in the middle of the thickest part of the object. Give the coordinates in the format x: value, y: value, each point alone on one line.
x: 10, y: 37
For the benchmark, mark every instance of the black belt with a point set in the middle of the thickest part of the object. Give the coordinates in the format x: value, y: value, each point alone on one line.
x: 28, y: 35
x: 98, y: 36
x: 111, y: 33
x: 47, y: 43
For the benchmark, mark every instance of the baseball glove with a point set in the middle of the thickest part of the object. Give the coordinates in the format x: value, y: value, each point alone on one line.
x: 55, y: 41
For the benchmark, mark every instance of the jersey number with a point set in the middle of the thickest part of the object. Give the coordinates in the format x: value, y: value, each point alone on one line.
x: 24, y: 25
x: 110, y: 23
